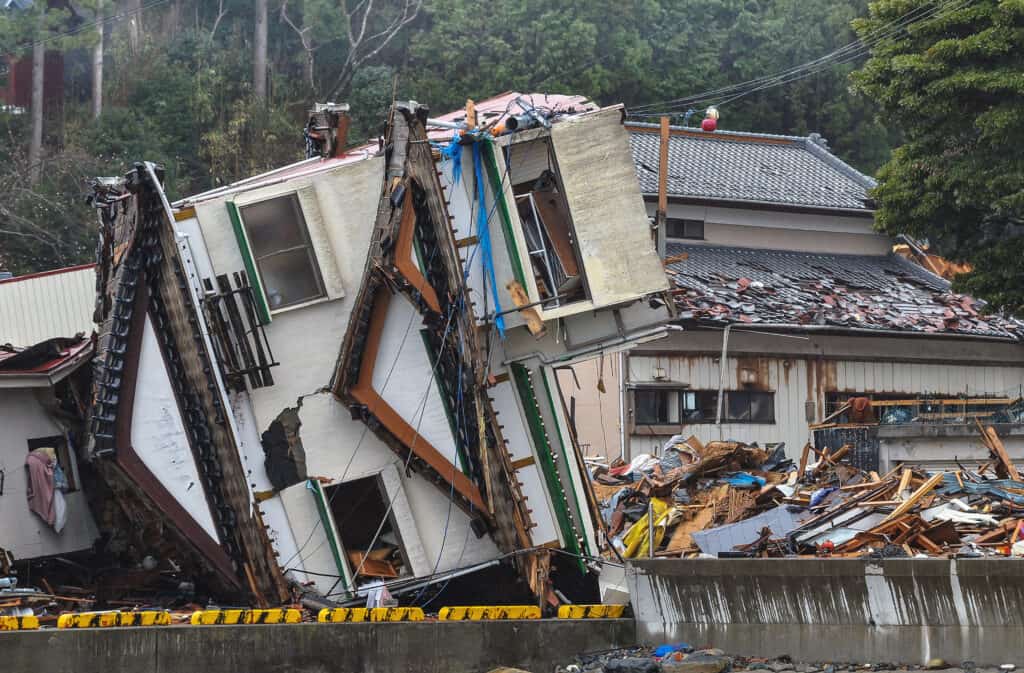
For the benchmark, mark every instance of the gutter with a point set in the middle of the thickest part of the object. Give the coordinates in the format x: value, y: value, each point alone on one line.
x: 865, y: 331
x: 636, y: 339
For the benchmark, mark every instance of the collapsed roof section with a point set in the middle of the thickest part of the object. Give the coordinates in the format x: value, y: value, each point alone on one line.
x: 884, y: 293
x: 160, y: 429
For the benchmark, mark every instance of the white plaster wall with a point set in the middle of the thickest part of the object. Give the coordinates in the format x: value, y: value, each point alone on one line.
x: 159, y: 437
x: 807, y: 232
x: 22, y: 532
x: 306, y: 341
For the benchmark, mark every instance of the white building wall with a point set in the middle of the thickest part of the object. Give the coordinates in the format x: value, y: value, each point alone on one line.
x: 306, y: 341
x: 806, y: 232
x: 22, y: 532
x: 52, y: 304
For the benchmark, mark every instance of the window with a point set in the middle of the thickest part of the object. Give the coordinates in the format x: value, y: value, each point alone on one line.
x: 64, y: 458
x: 366, y: 527
x: 661, y: 406
x: 282, y: 251
x: 679, y: 228
x: 747, y: 406
x: 656, y: 407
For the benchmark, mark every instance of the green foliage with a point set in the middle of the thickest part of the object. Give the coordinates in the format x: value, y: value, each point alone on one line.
x: 184, y: 96
x: 955, y: 86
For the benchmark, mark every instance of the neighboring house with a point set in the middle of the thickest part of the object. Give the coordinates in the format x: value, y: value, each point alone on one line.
x: 777, y: 270
x: 37, y: 397
x: 40, y: 306
x: 342, y: 372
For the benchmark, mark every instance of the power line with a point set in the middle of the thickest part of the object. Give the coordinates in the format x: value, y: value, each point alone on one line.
x: 842, y: 55
x: 113, y: 18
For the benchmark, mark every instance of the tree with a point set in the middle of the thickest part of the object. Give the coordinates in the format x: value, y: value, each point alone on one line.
x: 97, y: 61
x: 370, y: 28
x: 954, y: 84
x: 259, y: 53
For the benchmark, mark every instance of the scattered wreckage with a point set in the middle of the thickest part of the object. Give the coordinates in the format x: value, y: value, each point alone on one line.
x: 335, y: 382
x: 728, y: 499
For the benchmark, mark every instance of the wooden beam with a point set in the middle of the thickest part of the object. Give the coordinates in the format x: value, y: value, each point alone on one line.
x: 999, y: 450
x: 924, y: 490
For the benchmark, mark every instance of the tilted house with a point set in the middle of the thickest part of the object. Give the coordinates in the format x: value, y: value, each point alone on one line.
x: 352, y: 357
x: 777, y: 272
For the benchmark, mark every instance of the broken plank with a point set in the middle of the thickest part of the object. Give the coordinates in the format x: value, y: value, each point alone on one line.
x: 924, y: 490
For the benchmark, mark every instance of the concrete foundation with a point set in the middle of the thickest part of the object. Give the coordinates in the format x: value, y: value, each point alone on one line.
x: 902, y: 611
x: 410, y: 647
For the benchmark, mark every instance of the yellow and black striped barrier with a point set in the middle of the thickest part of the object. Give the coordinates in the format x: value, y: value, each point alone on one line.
x: 245, y: 616
x: 590, y: 611
x: 488, y: 612
x: 91, y: 620
x: 338, y: 615
x: 26, y: 623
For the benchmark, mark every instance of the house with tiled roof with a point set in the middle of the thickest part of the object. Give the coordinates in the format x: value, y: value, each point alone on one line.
x: 777, y: 271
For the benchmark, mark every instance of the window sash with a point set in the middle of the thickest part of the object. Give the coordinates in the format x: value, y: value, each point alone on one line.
x: 682, y: 406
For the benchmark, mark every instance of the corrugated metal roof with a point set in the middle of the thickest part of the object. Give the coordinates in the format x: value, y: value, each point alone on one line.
x: 45, y: 305
x: 727, y: 166
x: 883, y: 292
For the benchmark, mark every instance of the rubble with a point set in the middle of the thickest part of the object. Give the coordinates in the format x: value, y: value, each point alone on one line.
x: 727, y: 499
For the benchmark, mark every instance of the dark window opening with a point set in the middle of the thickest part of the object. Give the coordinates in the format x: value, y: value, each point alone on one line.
x: 62, y: 453
x: 282, y: 251
x: 358, y: 507
x: 547, y: 224
x: 681, y: 228
x: 657, y: 406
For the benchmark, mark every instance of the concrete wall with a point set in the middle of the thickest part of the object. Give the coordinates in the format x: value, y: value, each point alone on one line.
x: 935, y: 446
x: 423, y: 647
x: 898, y: 610
x: 22, y: 532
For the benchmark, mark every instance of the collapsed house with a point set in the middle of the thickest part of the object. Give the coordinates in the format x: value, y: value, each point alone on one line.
x: 798, y: 322
x: 43, y: 504
x: 340, y: 375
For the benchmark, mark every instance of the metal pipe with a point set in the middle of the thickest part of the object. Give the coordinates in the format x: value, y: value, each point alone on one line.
x: 721, y: 378
x: 650, y: 530
x: 623, y: 380
x: 441, y: 123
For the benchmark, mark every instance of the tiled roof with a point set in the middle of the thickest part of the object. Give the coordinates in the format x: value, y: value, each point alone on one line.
x: 784, y: 170
x: 743, y: 285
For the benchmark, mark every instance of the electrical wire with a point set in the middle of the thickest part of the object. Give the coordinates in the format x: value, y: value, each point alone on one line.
x: 113, y: 18
x: 872, y: 38
x: 845, y: 54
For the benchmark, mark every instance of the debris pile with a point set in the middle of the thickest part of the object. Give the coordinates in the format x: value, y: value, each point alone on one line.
x: 728, y: 499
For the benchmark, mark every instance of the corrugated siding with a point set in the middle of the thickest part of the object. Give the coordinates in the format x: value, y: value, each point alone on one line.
x: 808, y: 380
x: 37, y: 308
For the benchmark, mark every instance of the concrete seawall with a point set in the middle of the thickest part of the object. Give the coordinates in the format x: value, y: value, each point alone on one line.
x: 895, y: 610
x: 413, y: 647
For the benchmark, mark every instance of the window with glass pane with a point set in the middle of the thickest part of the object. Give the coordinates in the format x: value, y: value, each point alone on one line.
x: 747, y: 406
x: 699, y: 406
x: 653, y: 407
x: 283, y: 253
x: 682, y: 228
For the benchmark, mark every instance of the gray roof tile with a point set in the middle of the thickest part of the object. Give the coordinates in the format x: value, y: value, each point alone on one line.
x: 883, y: 292
x: 784, y: 170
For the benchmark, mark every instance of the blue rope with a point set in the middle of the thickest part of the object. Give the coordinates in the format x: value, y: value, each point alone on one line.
x: 484, y: 234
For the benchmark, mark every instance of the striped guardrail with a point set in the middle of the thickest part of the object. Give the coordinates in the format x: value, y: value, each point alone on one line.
x: 488, y: 612
x: 26, y: 623
x: 590, y: 611
x: 91, y: 620
x: 337, y: 615
x: 246, y: 616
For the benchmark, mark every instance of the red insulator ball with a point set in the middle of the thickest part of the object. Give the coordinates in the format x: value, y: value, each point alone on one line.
x: 709, y: 124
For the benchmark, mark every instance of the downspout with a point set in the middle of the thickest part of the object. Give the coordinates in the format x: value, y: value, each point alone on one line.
x: 721, y: 378
x: 623, y: 380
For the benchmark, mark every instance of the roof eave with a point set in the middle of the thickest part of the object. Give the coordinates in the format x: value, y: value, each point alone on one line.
x: 855, y: 331
x: 766, y: 205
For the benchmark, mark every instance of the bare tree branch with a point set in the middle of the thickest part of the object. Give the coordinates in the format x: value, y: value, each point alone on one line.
x: 363, y: 47
x: 221, y: 13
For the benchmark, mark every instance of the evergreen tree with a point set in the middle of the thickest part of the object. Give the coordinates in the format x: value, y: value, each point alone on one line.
x: 954, y: 84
